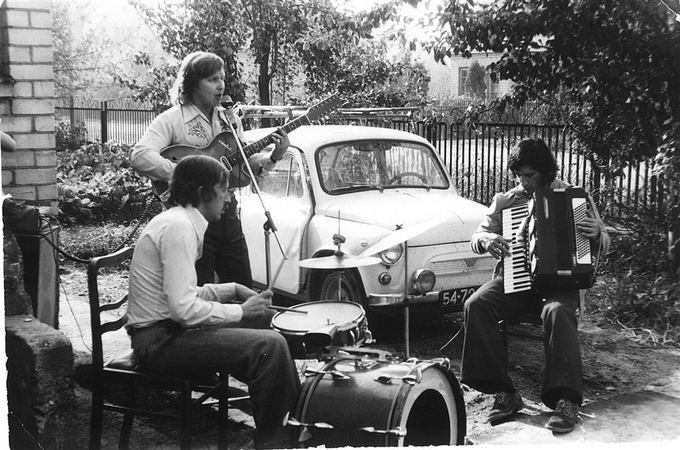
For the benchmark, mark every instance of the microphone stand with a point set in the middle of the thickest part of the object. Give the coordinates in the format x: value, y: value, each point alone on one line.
x: 267, y: 214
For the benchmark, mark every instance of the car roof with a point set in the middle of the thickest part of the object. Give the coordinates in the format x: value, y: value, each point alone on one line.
x: 315, y: 136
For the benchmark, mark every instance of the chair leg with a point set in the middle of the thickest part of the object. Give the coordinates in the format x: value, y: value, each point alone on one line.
x: 126, y: 430
x: 223, y: 416
x: 185, y: 419
x: 96, y: 416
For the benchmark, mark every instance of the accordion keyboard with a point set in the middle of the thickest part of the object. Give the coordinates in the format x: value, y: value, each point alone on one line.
x: 582, y: 243
x: 516, y: 278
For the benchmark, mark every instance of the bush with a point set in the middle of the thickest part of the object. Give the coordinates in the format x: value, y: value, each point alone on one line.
x: 640, y: 289
x: 96, y: 184
x: 70, y: 136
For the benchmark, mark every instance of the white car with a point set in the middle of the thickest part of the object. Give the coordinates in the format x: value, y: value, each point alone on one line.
x: 375, y: 189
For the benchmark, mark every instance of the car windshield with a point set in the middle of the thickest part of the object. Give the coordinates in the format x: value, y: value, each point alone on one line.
x: 378, y: 164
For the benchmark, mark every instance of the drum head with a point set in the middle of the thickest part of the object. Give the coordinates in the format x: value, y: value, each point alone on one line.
x: 319, y: 315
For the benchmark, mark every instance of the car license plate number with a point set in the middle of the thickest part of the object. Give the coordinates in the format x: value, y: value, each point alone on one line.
x: 455, y: 296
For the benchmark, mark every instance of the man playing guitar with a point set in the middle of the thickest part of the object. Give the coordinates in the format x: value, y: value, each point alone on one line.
x: 195, y: 119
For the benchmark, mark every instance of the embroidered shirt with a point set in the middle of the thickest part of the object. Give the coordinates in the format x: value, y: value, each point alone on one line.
x: 185, y: 124
x: 163, y: 283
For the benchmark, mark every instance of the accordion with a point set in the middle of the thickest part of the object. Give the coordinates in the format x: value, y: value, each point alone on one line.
x: 548, y: 250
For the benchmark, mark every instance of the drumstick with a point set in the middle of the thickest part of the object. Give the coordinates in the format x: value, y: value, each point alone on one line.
x: 283, y: 308
x: 278, y: 270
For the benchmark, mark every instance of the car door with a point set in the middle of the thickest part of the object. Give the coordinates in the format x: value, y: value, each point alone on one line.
x: 285, y: 194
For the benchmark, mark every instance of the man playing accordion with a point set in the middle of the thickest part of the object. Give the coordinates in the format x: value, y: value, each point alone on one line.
x: 485, y: 360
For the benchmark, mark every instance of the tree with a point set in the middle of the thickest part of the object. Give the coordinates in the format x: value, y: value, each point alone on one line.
x: 617, y: 62
x: 80, y: 65
x: 474, y: 82
x: 193, y: 25
x: 332, y: 48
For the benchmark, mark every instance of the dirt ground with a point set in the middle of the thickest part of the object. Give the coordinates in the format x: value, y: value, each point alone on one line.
x: 626, y: 377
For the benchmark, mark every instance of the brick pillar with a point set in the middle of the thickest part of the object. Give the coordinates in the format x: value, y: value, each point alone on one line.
x: 27, y: 100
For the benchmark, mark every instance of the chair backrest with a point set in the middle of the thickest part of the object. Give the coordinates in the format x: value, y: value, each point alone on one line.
x: 100, y: 318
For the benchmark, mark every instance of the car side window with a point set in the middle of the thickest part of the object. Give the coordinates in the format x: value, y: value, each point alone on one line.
x: 282, y: 180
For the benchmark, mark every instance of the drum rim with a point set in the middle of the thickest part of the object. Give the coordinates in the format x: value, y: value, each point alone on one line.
x: 347, y: 326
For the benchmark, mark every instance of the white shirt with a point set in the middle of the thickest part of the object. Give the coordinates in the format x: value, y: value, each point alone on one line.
x: 184, y: 124
x: 163, y: 282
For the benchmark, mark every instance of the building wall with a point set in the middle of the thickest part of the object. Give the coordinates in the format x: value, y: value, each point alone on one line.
x: 27, y: 101
x: 445, y: 78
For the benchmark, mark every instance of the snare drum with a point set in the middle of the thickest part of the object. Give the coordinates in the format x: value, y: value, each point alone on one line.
x: 326, y: 323
x: 375, y: 402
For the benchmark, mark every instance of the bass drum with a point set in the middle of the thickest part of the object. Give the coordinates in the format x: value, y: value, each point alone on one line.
x: 374, y: 402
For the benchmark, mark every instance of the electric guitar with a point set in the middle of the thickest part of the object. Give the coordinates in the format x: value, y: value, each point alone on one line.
x: 224, y: 147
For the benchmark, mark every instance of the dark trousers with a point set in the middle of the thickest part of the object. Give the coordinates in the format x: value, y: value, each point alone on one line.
x: 225, y: 252
x: 249, y: 351
x: 485, y: 356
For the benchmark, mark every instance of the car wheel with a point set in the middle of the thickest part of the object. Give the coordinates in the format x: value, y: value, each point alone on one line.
x: 325, y: 286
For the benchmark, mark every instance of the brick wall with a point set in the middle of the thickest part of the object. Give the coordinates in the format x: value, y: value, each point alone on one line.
x: 27, y: 100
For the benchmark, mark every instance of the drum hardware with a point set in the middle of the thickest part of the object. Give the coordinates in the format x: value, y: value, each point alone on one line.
x: 296, y: 423
x: 323, y: 336
x: 358, y: 355
x: 408, y: 379
x: 360, y: 364
x: 402, y: 235
x: 336, y: 374
x: 444, y: 363
x: 339, y: 260
x: 396, y: 432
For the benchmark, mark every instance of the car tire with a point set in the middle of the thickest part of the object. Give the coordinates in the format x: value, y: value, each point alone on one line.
x: 324, y: 285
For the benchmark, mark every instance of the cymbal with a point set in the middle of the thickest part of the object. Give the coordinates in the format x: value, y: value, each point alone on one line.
x: 339, y: 262
x: 408, y: 231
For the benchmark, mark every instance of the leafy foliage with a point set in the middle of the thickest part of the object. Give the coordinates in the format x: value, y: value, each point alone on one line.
x: 96, y: 184
x: 334, y: 49
x: 366, y: 77
x: 69, y: 136
x: 153, y: 89
x: 84, y: 57
x: 640, y: 291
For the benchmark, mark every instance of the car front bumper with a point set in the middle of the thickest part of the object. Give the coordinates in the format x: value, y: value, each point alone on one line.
x: 384, y: 302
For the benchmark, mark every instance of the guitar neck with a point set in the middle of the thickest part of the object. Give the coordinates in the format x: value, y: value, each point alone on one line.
x: 234, y: 156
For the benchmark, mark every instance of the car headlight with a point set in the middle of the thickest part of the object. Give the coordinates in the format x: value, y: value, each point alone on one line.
x: 392, y: 255
x: 423, y: 280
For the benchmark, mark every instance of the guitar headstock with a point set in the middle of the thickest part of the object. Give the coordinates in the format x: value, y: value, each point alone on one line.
x: 322, y: 109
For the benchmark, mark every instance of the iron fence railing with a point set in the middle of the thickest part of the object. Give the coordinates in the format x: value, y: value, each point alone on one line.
x: 475, y: 158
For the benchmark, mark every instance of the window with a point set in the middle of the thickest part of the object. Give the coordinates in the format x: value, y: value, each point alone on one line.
x: 378, y: 164
x: 462, y: 76
x: 283, y: 180
x: 494, y: 87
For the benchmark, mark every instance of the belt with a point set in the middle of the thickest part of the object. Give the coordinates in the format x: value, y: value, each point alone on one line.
x: 165, y: 323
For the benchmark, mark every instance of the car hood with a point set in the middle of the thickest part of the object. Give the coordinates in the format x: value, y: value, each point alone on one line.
x: 440, y: 215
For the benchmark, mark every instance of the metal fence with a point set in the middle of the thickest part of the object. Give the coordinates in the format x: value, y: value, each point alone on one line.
x: 476, y: 159
x: 116, y: 121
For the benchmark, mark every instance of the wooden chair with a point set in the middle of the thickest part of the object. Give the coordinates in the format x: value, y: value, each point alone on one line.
x: 124, y: 371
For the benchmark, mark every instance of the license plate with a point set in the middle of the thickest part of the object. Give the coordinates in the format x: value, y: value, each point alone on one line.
x: 455, y: 296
